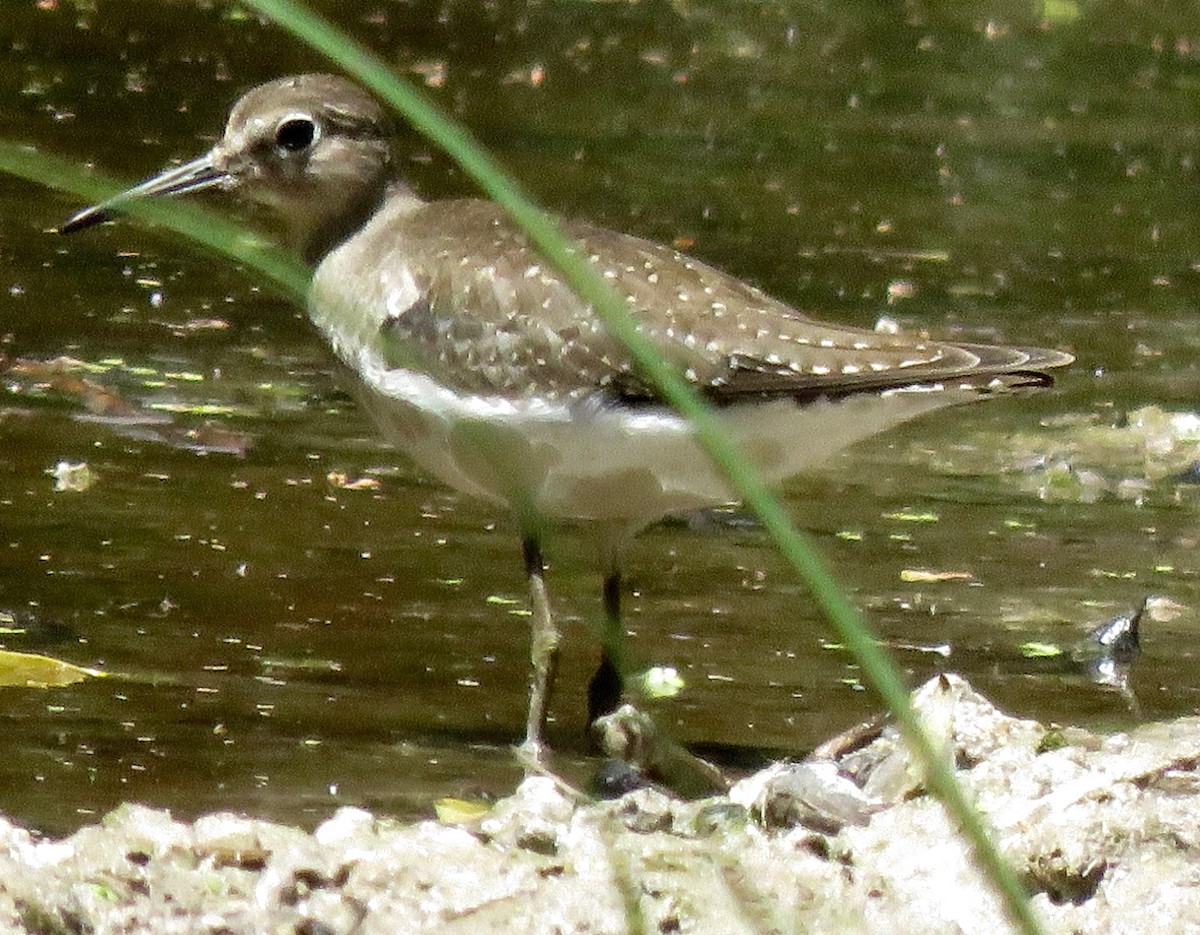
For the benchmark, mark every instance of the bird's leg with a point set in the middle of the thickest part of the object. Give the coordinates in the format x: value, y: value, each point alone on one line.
x: 604, y: 690
x: 543, y: 651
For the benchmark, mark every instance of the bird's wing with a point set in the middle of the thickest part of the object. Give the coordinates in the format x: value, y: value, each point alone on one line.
x: 489, y: 315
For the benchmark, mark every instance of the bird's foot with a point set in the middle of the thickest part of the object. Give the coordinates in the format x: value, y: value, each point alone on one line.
x: 534, y: 756
x: 632, y: 737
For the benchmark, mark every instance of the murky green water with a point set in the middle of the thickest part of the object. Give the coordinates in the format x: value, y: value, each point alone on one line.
x: 281, y: 643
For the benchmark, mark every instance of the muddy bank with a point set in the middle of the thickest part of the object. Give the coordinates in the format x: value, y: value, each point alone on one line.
x: 1102, y: 829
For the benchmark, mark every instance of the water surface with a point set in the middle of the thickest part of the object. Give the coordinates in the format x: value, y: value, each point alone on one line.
x: 294, y: 618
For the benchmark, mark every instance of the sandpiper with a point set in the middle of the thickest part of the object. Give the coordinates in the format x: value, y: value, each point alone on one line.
x: 477, y: 360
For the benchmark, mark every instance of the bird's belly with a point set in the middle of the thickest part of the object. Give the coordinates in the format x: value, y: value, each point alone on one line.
x: 622, y: 467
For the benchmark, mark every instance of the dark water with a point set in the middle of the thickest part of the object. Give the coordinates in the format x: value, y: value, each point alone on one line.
x: 280, y: 643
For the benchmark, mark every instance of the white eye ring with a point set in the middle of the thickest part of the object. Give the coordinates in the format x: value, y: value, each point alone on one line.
x: 296, y: 132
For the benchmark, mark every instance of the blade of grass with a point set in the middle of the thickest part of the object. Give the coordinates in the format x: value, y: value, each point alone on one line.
x: 587, y: 283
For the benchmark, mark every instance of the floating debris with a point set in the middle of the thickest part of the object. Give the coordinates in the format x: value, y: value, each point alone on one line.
x: 927, y: 576
x: 73, y: 477
x: 340, y: 480
x: 662, y: 682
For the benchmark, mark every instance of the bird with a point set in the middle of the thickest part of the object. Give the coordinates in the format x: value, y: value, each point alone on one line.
x: 475, y: 358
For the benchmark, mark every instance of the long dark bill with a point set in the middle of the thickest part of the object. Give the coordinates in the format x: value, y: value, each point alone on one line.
x: 193, y: 176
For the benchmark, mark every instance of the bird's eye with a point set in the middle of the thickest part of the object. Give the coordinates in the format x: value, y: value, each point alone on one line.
x: 295, y: 134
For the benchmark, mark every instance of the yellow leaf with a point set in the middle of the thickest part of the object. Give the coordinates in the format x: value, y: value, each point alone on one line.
x: 33, y: 670
x: 460, y: 811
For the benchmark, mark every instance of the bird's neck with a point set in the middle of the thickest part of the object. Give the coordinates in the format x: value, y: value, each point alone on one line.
x: 335, y: 227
